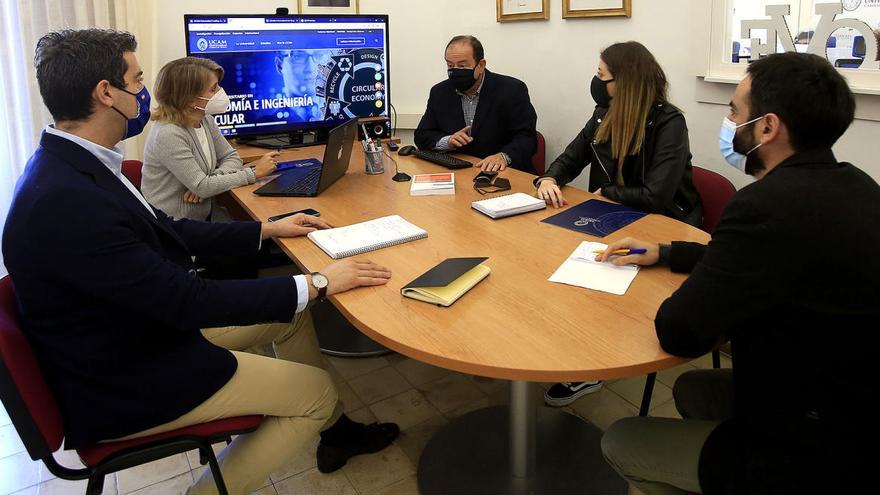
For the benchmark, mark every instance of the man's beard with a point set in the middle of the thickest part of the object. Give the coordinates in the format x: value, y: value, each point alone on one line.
x: 754, y: 164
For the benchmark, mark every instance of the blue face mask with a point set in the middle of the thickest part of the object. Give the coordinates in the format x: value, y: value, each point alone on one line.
x: 137, y: 123
x: 725, y: 143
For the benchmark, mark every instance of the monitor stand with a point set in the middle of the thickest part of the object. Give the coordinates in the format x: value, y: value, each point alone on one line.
x: 292, y: 139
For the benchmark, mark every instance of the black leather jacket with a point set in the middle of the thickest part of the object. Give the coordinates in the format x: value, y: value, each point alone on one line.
x: 657, y: 180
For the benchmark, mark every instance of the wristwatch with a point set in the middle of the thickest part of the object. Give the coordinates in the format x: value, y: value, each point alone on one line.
x: 320, y: 282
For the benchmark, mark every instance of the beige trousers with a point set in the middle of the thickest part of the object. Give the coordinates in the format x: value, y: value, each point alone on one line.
x: 296, y: 395
x: 661, y: 456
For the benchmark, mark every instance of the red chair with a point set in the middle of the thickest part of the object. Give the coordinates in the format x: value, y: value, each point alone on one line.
x: 538, y: 161
x: 131, y: 169
x: 715, y: 191
x: 37, y: 419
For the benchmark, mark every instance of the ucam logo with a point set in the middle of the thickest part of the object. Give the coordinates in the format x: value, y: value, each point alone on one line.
x: 851, y: 5
x: 202, y: 44
x: 217, y: 44
x: 584, y: 221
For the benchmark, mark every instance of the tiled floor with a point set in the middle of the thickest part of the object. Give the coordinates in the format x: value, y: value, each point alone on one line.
x: 419, y: 397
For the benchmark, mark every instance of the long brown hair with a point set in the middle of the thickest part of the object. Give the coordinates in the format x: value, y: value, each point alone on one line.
x: 178, y: 83
x: 639, y: 83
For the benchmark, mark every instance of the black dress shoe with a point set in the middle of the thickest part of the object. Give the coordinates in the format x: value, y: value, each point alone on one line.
x: 366, y: 440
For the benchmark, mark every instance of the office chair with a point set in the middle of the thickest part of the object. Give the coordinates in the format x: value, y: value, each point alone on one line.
x: 37, y: 418
x: 538, y: 161
x: 715, y: 191
x: 131, y: 169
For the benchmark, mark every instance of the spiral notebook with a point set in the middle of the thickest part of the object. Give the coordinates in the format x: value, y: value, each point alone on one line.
x: 364, y: 237
x: 508, y: 205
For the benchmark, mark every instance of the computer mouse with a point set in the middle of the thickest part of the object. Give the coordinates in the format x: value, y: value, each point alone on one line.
x: 406, y: 150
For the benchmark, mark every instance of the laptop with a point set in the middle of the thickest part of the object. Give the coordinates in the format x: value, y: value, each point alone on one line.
x: 312, y: 180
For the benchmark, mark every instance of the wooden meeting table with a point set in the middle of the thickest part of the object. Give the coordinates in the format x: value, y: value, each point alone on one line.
x: 514, y: 325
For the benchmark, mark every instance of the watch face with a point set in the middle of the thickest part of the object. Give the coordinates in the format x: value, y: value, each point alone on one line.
x: 319, y: 280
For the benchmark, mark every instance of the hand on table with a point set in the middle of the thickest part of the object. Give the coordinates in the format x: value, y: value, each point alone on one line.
x: 651, y: 256
x: 352, y: 273
x: 550, y: 192
x: 294, y: 226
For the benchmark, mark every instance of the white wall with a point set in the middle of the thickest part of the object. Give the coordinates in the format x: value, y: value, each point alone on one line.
x: 556, y: 59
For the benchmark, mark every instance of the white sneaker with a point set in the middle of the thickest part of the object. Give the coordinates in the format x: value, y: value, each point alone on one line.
x: 563, y: 394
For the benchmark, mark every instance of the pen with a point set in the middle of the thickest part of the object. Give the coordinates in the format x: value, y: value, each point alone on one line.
x: 624, y: 252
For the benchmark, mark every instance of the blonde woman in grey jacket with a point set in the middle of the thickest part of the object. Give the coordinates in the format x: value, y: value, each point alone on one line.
x: 186, y: 160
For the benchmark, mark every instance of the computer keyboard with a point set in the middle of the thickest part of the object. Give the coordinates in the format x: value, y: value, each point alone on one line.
x: 307, y: 184
x: 442, y: 159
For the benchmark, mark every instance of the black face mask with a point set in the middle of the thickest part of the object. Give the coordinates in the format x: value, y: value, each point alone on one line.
x: 462, y: 78
x: 599, y: 91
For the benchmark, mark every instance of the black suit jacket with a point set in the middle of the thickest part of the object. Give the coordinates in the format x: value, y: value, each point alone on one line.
x: 792, y: 278
x: 111, y: 302
x: 505, y: 120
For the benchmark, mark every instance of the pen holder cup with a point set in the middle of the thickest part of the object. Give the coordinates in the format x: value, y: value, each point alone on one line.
x: 374, y: 162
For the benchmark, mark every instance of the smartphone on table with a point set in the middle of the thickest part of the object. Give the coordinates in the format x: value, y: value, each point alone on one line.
x: 307, y: 211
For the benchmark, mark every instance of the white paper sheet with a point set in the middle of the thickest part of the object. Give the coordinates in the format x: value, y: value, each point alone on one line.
x: 581, y: 270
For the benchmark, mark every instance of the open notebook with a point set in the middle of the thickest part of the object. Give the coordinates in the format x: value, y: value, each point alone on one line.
x: 508, y: 205
x: 582, y: 270
x: 364, y: 237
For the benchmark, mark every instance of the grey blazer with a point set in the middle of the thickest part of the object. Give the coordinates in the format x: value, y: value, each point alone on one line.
x: 174, y: 162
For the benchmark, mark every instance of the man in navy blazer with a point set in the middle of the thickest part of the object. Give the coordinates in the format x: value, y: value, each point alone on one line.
x: 113, y: 306
x: 479, y: 113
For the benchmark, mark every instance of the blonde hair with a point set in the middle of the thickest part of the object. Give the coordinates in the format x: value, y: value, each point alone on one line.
x: 178, y: 83
x: 639, y: 83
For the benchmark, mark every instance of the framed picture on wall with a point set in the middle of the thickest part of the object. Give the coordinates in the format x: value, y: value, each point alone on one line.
x: 596, y: 8
x: 329, y: 6
x: 522, y: 10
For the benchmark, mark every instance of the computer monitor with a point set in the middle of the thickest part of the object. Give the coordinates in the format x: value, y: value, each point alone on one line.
x: 290, y: 78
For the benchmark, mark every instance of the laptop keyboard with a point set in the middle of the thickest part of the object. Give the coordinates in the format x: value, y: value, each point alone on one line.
x: 306, y: 185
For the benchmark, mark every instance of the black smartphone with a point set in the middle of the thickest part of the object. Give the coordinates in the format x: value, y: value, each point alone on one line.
x: 307, y: 211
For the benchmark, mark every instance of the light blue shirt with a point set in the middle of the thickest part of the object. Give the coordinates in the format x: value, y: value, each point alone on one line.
x: 112, y: 159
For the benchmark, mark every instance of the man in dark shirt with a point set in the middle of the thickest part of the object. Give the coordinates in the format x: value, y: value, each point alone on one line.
x: 791, y: 278
x: 478, y: 112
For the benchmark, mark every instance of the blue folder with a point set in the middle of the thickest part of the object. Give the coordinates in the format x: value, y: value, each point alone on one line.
x: 595, y: 217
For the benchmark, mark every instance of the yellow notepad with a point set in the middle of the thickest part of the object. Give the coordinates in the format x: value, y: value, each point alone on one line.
x: 446, y: 295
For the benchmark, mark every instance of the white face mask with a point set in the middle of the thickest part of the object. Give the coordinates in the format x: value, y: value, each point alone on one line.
x: 218, y: 103
x: 725, y: 142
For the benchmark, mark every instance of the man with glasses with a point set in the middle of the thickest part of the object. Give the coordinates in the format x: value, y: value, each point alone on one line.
x: 299, y: 69
x: 479, y: 113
